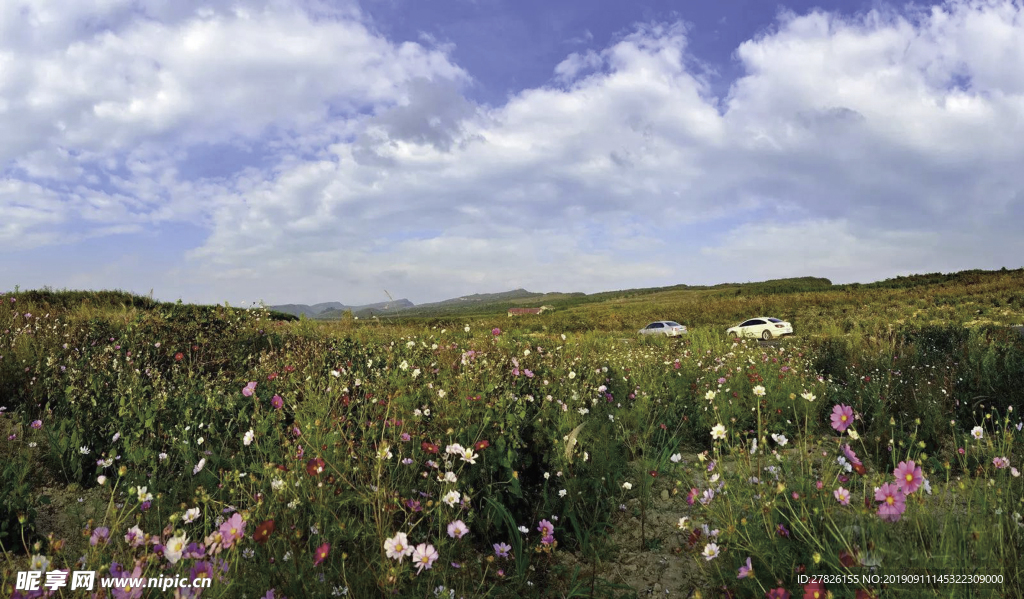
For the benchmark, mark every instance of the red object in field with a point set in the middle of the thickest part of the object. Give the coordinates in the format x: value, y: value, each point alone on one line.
x: 429, y: 447
x: 482, y: 444
x: 263, y: 532
x: 178, y: 357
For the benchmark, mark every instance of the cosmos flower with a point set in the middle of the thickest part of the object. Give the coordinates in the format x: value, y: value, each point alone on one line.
x: 746, y: 571
x: 424, y: 557
x: 908, y: 476
x: 321, y: 554
x: 710, y: 551
x: 397, y: 547
x: 457, y: 529
x: 232, y: 530
x: 842, y: 417
x: 893, y: 503
x: 174, y: 547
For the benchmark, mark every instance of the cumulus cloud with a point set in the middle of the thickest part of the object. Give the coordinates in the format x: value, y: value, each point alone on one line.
x: 852, y: 147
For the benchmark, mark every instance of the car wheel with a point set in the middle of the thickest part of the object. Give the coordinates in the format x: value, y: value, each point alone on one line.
x: 766, y: 335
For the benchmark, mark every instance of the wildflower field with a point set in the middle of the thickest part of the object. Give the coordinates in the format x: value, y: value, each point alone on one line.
x: 876, y: 453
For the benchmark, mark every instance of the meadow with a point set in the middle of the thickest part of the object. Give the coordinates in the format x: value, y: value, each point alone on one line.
x: 873, y: 454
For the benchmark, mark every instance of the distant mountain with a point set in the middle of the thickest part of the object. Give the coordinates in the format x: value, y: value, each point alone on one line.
x: 336, y: 309
x: 484, y: 298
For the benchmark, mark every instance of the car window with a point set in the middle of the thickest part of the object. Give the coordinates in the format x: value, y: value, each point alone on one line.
x: 774, y: 320
x: 749, y: 323
x: 756, y: 322
x: 673, y: 323
x: 655, y: 325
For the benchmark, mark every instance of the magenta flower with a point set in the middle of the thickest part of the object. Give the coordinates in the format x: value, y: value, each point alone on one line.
x: 249, y: 389
x: 277, y: 402
x: 37, y: 424
x: 908, y: 476
x: 1000, y: 462
x: 893, y: 503
x: 746, y: 570
x: 495, y: 331
x: 778, y: 593
x: 323, y: 550
x: 502, y: 549
x: 232, y: 530
x: 842, y: 417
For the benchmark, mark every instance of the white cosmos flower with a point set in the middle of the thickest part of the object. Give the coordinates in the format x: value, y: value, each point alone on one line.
x: 627, y: 485
x: 39, y: 563
x: 977, y: 432
x: 808, y: 396
x: 397, y: 547
x: 780, y: 439
x: 759, y: 391
x: 174, y: 547
x: 709, y: 395
x: 451, y: 498
x: 676, y: 458
x: 710, y: 551
x: 469, y: 456
x: 572, y: 374
x: 718, y: 432
x: 191, y: 515
x: 248, y: 437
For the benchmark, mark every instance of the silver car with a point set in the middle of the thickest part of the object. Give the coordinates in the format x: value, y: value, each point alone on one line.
x: 669, y: 328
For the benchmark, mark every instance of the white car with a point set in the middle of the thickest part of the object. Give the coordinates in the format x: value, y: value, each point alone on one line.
x: 668, y: 328
x: 762, y: 326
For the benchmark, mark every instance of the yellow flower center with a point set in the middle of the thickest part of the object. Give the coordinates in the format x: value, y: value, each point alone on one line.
x: 910, y: 478
x: 844, y: 420
x: 890, y: 500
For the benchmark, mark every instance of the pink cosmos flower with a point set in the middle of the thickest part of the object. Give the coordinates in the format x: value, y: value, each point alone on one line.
x: 128, y: 592
x: 842, y: 496
x: 99, y: 535
x: 495, y: 331
x: 1000, y: 462
x: 546, y: 528
x: 232, y: 530
x: 249, y: 389
x: 457, y: 529
x: 893, y: 503
x: 746, y: 570
x: 321, y: 554
x: 277, y: 402
x: 850, y: 455
x: 37, y: 424
x: 424, y: 557
x: 842, y: 417
x: 908, y: 476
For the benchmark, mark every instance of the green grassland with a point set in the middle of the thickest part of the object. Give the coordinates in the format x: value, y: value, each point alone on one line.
x: 295, y: 453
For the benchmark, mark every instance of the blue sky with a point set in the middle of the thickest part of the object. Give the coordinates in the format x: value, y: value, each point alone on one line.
x: 307, y: 151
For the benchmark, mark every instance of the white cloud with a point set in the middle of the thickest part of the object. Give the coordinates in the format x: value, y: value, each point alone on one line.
x: 851, y: 148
